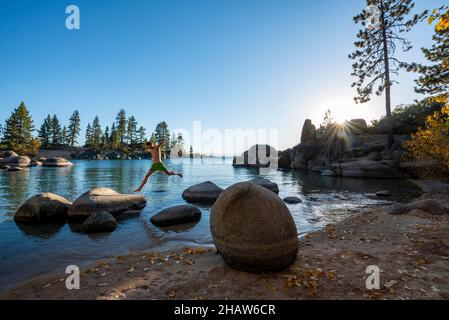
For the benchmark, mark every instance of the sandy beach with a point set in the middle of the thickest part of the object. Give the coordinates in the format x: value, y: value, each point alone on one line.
x: 411, y: 251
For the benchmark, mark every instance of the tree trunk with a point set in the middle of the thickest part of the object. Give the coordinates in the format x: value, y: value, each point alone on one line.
x: 389, y: 119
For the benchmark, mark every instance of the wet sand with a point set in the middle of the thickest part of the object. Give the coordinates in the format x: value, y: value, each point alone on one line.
x: 412, y: 252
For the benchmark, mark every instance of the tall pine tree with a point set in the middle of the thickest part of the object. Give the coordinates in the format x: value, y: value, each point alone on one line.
x: 132, y: 130
x: 88, y: 138
x: 45, y: 133
x: 74, y: 128
x: 56, y: 132
x: 121, y: 126
x: 18, y: 131
x: 383, y: 24
x: 96, y: 134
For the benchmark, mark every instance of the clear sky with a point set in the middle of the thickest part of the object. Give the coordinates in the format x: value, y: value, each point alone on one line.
x: 267, y: 64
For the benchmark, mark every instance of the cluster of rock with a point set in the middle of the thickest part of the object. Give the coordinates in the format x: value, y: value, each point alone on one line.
x: 11, y: 161
x: 113, y: 155
x: 346, y: 151
x: 96, y: 210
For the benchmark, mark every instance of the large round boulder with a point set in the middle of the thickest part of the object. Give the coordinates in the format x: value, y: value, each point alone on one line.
x: 43, y: 207
x: 104, y: 199
x: 176, y: 215
x: 206, y: 193
x: 56, y: 162
x: 267, y: 184
x: 253, y: 229
x: 99, y: 222
x: 16, y: 161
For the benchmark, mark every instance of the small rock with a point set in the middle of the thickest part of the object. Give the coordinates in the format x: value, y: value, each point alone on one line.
x: 328, y: 173
x: 292, y: 200
x: 206, y: 192
x: 56, y: 162
x: 176, y: 215
x: 100, y: 222
x: 267, y: 184
x: 431, y: 206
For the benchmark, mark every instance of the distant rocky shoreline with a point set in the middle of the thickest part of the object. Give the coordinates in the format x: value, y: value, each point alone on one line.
x: 347, y: 150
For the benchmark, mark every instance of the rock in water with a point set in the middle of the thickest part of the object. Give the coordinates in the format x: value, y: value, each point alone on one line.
x: 104, y: 199
x: 7, y: 154
x: 43, y: 207
x: 56, y: 162
x: 16, y: 161
x: 206, y: 192
x: 99, y: 222
x: 176, y: 215
x: 258, y: 156
x: 292, y: 200
x: 328, y: 173
x: 431, y: 206
x: 367, y: 169
x: 253, y: 229
x: 267, y: 184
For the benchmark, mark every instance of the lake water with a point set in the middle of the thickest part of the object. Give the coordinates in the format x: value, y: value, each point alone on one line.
x: 27, y: 251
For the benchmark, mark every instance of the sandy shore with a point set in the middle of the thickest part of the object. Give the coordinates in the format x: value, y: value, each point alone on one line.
x: 412, y: 252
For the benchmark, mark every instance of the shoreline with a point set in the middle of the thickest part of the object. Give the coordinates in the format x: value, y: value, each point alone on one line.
x: 409, y: 249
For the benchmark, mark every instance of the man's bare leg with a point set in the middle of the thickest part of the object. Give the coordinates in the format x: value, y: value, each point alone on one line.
x: 173, y: 173
x: 144, y: 182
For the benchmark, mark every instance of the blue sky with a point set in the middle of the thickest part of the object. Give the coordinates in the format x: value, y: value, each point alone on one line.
x: 230, y: 64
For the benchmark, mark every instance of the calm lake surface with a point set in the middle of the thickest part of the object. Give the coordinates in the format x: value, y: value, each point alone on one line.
x: 27, y: 251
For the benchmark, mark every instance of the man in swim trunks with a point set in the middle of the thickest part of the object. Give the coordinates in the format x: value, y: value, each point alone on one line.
x: 158, y: 165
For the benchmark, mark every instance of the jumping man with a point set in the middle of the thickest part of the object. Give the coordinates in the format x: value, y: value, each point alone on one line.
x: 158, y: 165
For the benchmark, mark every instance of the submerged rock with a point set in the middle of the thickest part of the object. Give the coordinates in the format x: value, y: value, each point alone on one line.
x: 292, y: 200
x: 253, y: 229
x: 56, y: 162
x: 328, y: 173
x: 267, y: 184
x: 104, y: 199
x: 206, y: 192
x: 43, y: 207
x: 431, y: 206
x: 99, y: 222
x: 15, y: 169
x: 176, y: 215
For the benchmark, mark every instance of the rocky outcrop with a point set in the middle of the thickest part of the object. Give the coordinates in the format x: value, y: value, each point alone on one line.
x: 176, y: 215
x: 104, y: 199
x: 267, y: 184
x: 16, y: 161
x: 285, y: 159
x: 99, y: 222
x: 258, y: 156
x: 7, y: 154
x: 432, y: 206
x: 302, y: 154
x: 43, y: 207
x: 114, y: 155
x: 308, y: 133
x: 206, y: 193
x: 244, y: 233
x: 366, y: 169
x: 56, y: 162
x: 357, y: 126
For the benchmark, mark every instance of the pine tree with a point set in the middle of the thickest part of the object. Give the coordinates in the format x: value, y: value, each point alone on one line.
x: 433, y: 78
x: 18, y: 131
x: 56, y: 132
x: 106, y: 138
x: 74, y: 128
x: 142, y: 137
x: 191, y: 152
x: 44, y: 133
x: 121, y: 126
x: 96, y: 135
x: 88, y: 139
x: 162, y: 133
x: 383, y: 23
x: 64, y: 136
x: 132, y: 130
